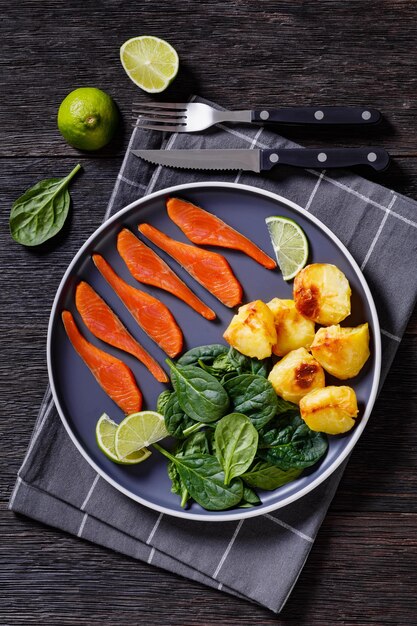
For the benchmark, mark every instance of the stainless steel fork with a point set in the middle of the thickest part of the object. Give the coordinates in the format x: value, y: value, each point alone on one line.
x: 188, y: 117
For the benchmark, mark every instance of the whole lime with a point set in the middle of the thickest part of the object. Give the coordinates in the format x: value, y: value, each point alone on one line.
x: 88, y: 118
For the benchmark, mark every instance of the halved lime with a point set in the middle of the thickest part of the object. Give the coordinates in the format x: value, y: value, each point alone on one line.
x: 290, y: 245
x: 150, y: 62
x: 137, y: 431
x: 105, y: 435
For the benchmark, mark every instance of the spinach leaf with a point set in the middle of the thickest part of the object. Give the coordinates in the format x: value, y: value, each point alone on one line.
x: 41, y: 211
x: 287, y: 407
x: 203, y: 478
x: 263, y: 475
x: 177, y: 487
x: 176, y: 421
x: 288, y: 442
x: 210, y: 369
x: 199, y: 394
x: 236, y: 443
x: 253, y: 396
x: 197, y: 443
x: 162, y: 401
x: 245, y: 364
x: 206, y: 354
x: 249, y: 499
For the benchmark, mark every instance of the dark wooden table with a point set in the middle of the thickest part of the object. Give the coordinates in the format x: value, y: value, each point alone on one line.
x: 362, y: 569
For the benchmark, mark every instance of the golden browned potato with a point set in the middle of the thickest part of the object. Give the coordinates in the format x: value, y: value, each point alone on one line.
x: 293, y: 329
x: 295, y: 375
x: 330, y: 410
x: 322, y: 293
x: 252, y: 330
x: 342, y: 351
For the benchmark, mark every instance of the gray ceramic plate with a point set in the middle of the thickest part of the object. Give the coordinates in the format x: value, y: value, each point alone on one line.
x: 79, y: 399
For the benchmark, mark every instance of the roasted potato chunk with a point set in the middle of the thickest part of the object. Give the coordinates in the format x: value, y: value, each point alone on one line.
x: 252, y: 330
x: 295, y: 375
x: 293, y: 329
x: 330, y: 410
x: 342, y: 351
x: 322, y: 293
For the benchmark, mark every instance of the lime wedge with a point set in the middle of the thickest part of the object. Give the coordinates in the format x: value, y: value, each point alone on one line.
x: 105, y: 434
x: 150, y: 62
x: 137, y: 431
x: 290, y: 245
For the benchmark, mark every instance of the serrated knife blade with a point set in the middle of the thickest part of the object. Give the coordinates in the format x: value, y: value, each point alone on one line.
x: 255, y: 160
x: 204, y: 159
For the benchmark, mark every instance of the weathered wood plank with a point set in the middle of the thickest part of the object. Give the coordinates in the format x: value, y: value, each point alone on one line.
x: 280, y: 53
x: 361, y: 571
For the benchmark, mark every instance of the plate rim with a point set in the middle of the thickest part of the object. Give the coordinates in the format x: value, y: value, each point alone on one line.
x: 254, y: 512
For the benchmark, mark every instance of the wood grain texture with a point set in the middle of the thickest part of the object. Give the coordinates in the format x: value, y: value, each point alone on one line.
x: 362, y: 569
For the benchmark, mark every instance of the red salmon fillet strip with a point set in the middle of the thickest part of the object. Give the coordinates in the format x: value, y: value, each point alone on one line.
x: 147, y: 267
x: 209, y: 268
x: 203, y: 228
x: 105, y: 325
x: 150, y: 313
x: 114, y: 377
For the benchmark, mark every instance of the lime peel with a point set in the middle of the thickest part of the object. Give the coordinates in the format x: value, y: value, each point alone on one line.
x: 137, y: 431
x: 290, y: 245
x: 151, y: 63
x: 105, y: 435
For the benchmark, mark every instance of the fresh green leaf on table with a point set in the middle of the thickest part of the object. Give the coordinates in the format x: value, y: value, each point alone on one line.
x: 288, y: 442
x: 263, y: 475
x: 253, y: 396
x: 236, y: 443
x: 199, y: 394
x: 41, y: 211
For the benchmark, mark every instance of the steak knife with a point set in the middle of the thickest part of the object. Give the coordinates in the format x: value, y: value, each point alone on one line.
x: 259, y: 160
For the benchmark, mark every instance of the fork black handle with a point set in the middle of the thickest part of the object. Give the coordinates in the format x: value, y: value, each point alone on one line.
x: 378, y: 158
x: 318, y: 115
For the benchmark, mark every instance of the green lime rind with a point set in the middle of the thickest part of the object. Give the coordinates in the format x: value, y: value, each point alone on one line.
x: 137, y: 431
x: 88, y: 118
x: 151, y: 63
x: 290, y: 245
x: 105, y: 435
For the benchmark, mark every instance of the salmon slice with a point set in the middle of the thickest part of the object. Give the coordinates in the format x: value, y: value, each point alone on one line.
x: 111, y: 374
x: 150, y: 313
x: 203, y: 228
x: 104, y: 324
x: 147, y: 267
x: 209, y: 268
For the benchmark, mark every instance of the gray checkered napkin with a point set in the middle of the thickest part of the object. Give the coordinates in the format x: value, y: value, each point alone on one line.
x: 58, y: 487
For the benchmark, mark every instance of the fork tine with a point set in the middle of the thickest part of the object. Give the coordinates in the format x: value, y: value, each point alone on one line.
x: 167, y: 128
x: 162, y: 120
x: 159, y: 112
x: 162, y: 105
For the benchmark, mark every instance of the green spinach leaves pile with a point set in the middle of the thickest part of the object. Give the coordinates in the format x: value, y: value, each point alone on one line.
x: 234, y: 434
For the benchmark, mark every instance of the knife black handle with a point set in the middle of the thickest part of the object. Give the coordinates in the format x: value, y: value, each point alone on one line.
x: 318, y: 115
x: 378, y: 158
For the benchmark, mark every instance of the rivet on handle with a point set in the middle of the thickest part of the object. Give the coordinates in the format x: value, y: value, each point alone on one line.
x: 319, y: 115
